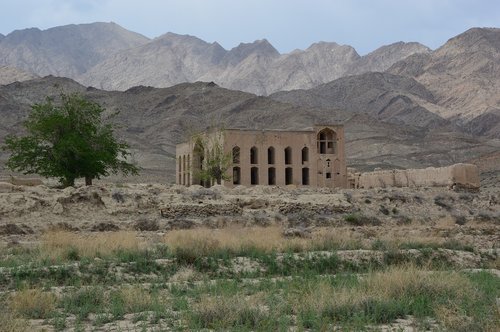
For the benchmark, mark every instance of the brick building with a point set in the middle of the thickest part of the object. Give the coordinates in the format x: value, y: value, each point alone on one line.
x: 314, y: 157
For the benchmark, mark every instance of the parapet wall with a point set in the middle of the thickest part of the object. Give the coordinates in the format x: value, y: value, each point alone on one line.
x: 462, y: 175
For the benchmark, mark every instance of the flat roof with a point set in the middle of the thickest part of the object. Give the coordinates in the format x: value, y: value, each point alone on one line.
x: 305, y: 130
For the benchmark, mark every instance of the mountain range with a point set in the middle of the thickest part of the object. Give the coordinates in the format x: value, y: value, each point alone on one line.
x: 403, y: 104
x: 153, y: 120
x: 107, y: 56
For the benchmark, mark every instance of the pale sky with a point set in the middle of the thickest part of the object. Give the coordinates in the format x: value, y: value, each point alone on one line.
x: 287, y: 24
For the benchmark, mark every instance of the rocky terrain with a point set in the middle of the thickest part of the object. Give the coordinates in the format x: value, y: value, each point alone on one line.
x: 28, y: 211
x: 458, y: 82
x: 391, y: 98
x: 463, y: 76
x: 10, y: 75
x: 67, y: 50
x: 149, y: 256
x: 153, y: 120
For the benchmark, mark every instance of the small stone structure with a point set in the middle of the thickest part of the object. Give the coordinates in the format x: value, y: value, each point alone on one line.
x: 314, y: 157
x: 458, y: 175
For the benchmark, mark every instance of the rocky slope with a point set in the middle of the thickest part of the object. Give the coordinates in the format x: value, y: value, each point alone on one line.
x: 390, y: 98
x: 10, y: 74
x: 153, y: 120
x: 463, y: 75
x: 66, y: 50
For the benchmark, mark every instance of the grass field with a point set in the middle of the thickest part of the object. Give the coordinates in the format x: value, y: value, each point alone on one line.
x: 245, y: 279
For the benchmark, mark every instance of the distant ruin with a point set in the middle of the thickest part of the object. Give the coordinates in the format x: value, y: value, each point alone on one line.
x: 314, y: 157
x: 455, y: 176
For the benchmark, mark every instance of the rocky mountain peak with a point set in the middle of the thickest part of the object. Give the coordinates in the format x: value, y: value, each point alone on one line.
x: 66, y: 50
x: 332, y: 48
x: 384, y: 57
x: 260, y: 47
x: 472, y: 40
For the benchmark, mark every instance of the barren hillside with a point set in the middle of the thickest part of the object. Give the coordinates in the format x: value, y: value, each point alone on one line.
x: 463, y: 75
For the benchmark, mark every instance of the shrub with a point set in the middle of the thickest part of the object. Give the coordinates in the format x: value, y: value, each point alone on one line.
x: 402, y: 220
x: 459, y: 219
x: 444, y: 201
x: 361, y: 220
x: 149, y: 225
x: 384, y: 210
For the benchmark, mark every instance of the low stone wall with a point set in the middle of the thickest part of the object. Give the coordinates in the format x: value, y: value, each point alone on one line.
x: 461, y: 175
x: 22, y: 181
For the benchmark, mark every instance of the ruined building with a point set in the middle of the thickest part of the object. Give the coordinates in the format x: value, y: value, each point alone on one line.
x: 314, y: 157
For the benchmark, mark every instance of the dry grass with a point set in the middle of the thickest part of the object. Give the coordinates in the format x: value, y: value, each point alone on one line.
x: 60, y: 244
x: 135, y: 298
x: 410, y: 280
x: 222, y: 312
x: 385, y: 289
x: 32, y: 303
x: 11, y: 323
x: 185, y: 274
x: 205, y: 241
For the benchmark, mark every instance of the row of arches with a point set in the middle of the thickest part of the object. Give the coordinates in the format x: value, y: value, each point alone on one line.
x: 271, y: 176
x: 271, y: 155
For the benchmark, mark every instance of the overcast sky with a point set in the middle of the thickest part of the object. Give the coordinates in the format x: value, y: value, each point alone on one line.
x: 287, y: 24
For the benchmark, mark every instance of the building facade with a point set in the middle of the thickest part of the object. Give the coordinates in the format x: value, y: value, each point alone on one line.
x: 314, y: 157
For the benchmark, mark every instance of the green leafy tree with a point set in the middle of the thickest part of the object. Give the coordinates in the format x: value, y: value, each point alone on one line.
x: 68, y: 141
x: 216, y: 161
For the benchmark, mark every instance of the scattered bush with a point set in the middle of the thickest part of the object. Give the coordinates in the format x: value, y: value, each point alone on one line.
x: 483, y: 216
x: 459, y: 219
x: 149, y: 225
x: 118, y: 197
x: 361, y: 220
x: 444, y: 201
x: 396, y: 196
x: 384, y: 210
x: 402, y: 220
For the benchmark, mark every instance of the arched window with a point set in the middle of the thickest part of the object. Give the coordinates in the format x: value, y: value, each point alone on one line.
x: 180, y: 164
x: 236, y: 175
x: 236, y: 155
x: 305, y: 155
x: 288, y: 156
x: 326, y: 141
x: 188, y: 168
x: 254, y: 175
x: 254, y: 155
x: 305, y: 176
x: 184, y: 163
x: 270, y: 156
x: 288, y: 175
x: 271, y: 176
